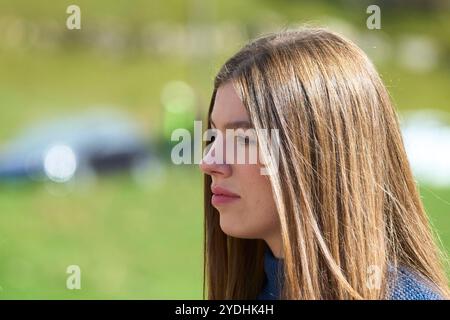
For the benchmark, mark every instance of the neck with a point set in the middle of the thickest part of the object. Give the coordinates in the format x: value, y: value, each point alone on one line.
x: 275, y: 243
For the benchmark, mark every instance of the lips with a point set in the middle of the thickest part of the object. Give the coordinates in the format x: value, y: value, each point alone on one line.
x: 222, y: 196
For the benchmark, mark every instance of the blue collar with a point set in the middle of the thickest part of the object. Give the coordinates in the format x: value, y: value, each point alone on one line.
x: 404, y: 283
x: 273, y: 269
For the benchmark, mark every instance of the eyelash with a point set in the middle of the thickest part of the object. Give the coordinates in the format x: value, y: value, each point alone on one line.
x: 213, y: 138
x: 240, y: 139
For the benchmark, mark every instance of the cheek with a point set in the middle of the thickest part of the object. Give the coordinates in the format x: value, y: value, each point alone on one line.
x: 255, y: 186
x: 261, y: 200
x: 259, y: 210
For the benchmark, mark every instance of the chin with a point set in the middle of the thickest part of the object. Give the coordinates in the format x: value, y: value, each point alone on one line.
x: 230, y: 228
x: 235, y: 230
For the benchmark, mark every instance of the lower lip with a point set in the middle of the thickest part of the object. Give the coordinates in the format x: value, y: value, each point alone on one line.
x: 221, y: 199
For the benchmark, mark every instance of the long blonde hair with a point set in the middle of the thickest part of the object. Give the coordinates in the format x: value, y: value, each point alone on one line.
x: 346, y: 197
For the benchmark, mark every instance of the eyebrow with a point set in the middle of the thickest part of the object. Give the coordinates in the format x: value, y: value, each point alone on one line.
x: 235, y: 124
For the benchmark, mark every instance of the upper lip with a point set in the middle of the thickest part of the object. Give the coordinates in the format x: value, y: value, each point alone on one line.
x: 217, y: 190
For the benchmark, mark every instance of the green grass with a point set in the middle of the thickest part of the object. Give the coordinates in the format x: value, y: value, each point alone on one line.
x: 437, y: 204
x: 129, y: 241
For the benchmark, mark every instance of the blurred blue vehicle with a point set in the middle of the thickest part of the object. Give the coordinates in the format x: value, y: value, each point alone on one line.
x: 94, y: 142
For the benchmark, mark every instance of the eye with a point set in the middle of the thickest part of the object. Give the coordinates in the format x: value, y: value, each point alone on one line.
x: 211, y: 135
x: 211, y: 140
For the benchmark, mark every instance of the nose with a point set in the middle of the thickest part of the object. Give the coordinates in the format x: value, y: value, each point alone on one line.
x: 214, y: 164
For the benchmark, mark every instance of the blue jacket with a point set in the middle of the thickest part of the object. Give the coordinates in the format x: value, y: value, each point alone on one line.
x: 408, y: 286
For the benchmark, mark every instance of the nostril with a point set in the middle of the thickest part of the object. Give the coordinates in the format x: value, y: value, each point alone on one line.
x: 207, y: 166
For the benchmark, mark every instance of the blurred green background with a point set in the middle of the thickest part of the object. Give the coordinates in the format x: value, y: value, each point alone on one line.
x: 144, y: 241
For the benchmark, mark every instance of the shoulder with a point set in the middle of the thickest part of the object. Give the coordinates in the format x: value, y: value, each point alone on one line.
x: 408, y: 284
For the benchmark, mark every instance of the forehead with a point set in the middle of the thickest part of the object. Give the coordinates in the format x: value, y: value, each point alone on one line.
x: 228, y: 106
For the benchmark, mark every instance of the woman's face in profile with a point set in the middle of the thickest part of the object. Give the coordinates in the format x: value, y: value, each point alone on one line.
x: 241, y: 194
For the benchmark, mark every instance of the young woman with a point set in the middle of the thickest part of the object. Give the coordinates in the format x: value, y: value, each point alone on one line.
x: 339, y: 215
